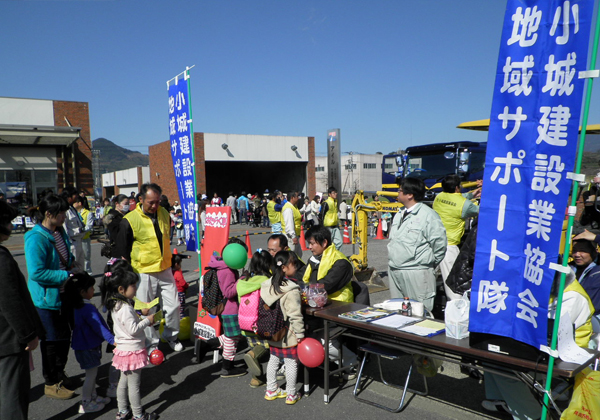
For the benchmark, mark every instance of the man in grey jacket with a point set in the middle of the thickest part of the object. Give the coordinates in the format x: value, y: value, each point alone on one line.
x: 417, y: 245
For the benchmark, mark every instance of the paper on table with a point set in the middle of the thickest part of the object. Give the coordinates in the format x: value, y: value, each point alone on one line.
x: 394, y: 321
x: 568, y: 351
x: 422, y: 331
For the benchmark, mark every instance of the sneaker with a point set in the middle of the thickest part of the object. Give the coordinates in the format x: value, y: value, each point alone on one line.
x: 256, y: 383
x: 350, y: 375
x: 292, y: 399
x: 90, y: 407
x: 123, y: 415
x: 175, y: 345
x: 147, y: 416
x: 254, y: 366
x: 58, y: 392
x: 498, y: 406
x: 100, y: 399
x: 111, y: 391
x: 273, y: 395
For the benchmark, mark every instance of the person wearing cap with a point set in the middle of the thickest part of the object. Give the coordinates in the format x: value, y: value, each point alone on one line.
x: 20, y: 327
x: 587, y: 272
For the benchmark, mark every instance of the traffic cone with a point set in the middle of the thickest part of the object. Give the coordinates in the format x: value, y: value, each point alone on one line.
x: 380, y: 231
x: 302, y: 239
x: 346, y: 234
x: 248, y: 245
x: 175, y: 252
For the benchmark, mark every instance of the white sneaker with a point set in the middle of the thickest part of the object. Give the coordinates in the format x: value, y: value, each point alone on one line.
x: 112, y: 391
x: 90, y: 407
x: 176, y: 345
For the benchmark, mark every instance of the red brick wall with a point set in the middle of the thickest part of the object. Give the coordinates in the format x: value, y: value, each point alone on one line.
x: 311, y: 179
x: 79, y: 116
x: 200, y: 160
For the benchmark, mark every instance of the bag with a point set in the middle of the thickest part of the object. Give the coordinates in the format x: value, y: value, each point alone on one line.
x: 585, y: 402
x: 107, y: 247
x: 248, y: 312
x: 457, y: 318
x: 270, y: 324
x: 212, y: 297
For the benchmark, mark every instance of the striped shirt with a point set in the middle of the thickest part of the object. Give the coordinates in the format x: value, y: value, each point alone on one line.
x: 61, y: 248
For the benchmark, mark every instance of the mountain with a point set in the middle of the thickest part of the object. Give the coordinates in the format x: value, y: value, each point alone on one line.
x: 115, y: 158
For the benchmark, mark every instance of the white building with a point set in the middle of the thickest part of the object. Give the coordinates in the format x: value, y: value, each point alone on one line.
x: 126, y: 181
x: 359, y: 172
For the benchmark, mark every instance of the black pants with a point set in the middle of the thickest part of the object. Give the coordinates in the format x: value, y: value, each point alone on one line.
x: 14, y: 386
x: 54, y: 359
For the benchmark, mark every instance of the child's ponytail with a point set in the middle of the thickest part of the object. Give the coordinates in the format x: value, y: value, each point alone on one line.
x: 118, y: 273
x: 281, y: 258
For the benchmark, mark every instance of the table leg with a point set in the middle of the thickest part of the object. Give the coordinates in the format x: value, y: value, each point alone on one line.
x: 326, y: 364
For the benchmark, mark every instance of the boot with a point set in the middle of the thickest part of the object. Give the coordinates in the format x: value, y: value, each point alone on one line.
x: 229, y: 371
x: 204, y: 346
x: 252, y: 359
x: 57, y: 391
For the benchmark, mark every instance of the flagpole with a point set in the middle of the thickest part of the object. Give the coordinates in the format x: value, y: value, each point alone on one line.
x: 572, y: 208
x: 198, y: 245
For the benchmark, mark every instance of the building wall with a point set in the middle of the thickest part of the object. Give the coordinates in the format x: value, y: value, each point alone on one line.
x: 207, y: 147
x: 359, y: 178
x: 79, y: 116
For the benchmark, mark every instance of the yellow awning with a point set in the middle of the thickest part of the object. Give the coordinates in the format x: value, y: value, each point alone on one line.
x: 484, y: 125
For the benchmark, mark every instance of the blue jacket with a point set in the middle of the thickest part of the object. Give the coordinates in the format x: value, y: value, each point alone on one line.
x: 45, y: 277
x: 90, y: 329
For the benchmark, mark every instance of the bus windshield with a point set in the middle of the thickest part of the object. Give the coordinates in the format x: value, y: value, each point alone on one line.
x: 430, y: 165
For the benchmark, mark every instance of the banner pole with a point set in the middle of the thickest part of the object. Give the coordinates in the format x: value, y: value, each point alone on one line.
x: 191, y: 121
x: 571, y: 218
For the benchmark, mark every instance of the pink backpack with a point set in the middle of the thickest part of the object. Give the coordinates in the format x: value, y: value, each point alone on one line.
x: 248, y: 312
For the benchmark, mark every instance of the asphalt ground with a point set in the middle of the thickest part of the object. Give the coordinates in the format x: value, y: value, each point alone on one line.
x: 182, y: 389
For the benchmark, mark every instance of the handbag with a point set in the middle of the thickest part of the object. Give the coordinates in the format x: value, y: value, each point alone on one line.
x: 107, y: 247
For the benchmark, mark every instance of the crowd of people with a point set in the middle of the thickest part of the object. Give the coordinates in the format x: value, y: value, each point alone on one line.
x: 53, y: 307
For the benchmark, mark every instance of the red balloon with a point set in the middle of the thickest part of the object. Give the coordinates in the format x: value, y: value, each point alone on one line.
x: 311, y: 352
x: 157, y: 357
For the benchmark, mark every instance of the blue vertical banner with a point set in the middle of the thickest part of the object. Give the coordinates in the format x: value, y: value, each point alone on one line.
x: 532, y: 142
x: 182, y: 151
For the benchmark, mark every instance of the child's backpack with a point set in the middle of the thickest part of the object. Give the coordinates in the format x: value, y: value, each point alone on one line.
x: 212, y: 298
x: 270, y: 324
x: 248, y: 312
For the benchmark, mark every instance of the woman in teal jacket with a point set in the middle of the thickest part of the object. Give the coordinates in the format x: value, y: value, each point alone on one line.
x: 49, y: 264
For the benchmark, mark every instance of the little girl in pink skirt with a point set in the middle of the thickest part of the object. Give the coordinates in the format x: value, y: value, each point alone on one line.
x: 130, y: 355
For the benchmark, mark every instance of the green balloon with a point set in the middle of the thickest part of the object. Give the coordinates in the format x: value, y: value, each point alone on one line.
x: 235, y: 256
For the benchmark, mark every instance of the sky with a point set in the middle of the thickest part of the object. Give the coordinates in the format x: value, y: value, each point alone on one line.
x: 388, y: 73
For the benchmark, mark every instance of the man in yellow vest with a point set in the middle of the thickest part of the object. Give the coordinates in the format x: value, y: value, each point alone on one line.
x: 453, y: 208
x: 274, y: 211
x: 144, y: 241
x: 329, y: 217
x: 291, y: 223
x: 86, y: 243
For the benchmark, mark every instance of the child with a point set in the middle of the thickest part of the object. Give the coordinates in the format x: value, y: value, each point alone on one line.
x: 89, y: 331
x: 180, y: 282
x: 179, y: 227
x: 258, y: 273
x: 229, y: 318
x: 130, y: 355
x: 288, y: 293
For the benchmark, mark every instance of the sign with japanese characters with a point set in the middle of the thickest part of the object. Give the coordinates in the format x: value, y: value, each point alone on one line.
x: 181, y: 139
x: 531, y: 147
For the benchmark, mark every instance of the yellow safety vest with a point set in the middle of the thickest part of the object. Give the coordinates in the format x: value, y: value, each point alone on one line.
x: 297, y: 218
x: 274, y: 216
x: 330, y: 256
x: 449, y: 208
x: 331, y: 217
x: 84, y: 216
x: 145, y: 253
x: 583, y: 333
